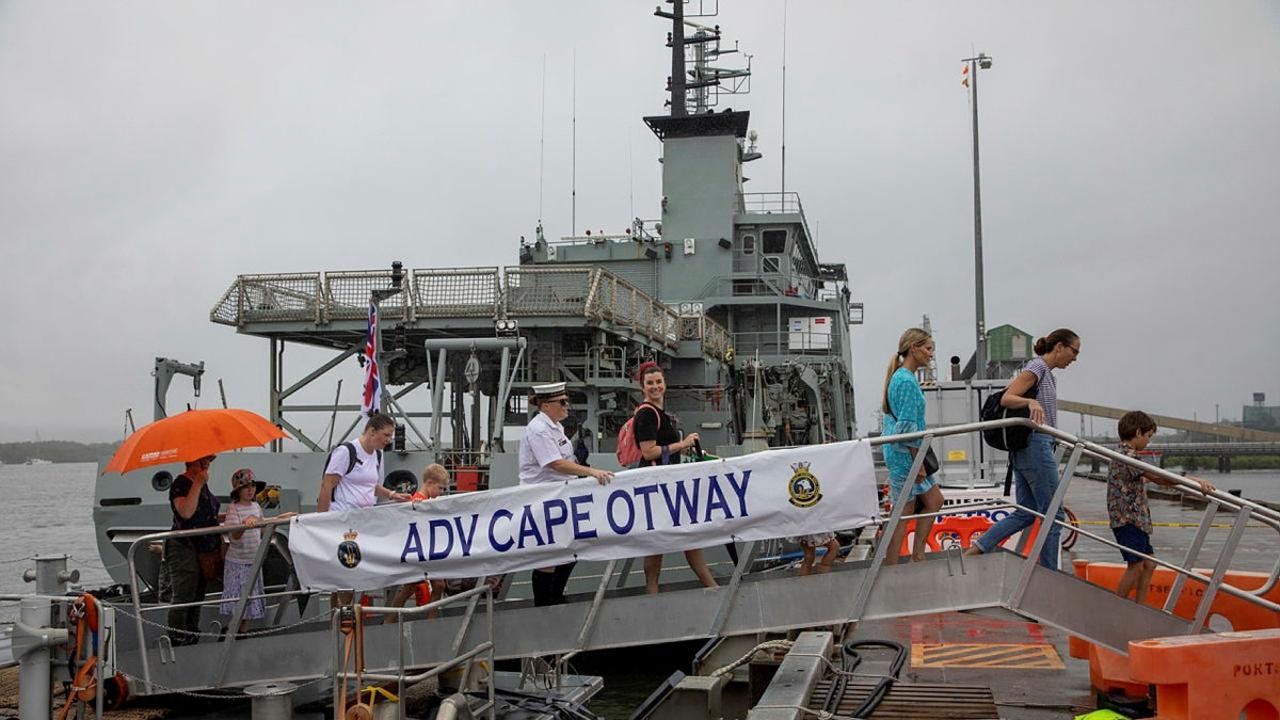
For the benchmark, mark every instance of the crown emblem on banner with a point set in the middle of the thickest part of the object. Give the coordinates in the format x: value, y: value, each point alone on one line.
x: 348, y: 551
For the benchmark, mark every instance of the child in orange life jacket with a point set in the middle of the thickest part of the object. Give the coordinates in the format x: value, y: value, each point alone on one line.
x: 434, y: 479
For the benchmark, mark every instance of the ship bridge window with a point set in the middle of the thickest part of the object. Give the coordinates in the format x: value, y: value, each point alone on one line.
x: 774, y: 242
x: 748, y: 244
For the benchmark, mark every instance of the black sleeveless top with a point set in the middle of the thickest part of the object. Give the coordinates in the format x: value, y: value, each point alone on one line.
x: 647, y: 427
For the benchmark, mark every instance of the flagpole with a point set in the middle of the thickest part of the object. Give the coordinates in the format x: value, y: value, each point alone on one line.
x: 376, y: 297
x: 982, y: 61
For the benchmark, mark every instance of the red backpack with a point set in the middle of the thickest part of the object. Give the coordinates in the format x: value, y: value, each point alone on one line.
x: 628, y: 449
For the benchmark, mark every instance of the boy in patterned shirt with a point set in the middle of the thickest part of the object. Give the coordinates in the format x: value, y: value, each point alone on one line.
x: 1127, y: 509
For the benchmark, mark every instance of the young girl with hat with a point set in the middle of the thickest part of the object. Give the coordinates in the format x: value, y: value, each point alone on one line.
x: 243, y: 549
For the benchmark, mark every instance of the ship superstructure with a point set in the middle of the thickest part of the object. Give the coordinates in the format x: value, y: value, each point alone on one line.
x: 724, y: 288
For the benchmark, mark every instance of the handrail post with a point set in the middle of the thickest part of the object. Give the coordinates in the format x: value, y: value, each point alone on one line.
x: 1193, y: 552
x: 136, y: 603
x: 882, y: 547
x: 493, y: 701
x: 589, y: 622
x: 1219, y: 570
x: 232, y: 628
x: 745, y: 561
x: 465, y: 625
x: 1049, y: 519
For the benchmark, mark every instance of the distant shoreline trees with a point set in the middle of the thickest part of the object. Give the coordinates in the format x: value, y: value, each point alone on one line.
x: 58, y: 451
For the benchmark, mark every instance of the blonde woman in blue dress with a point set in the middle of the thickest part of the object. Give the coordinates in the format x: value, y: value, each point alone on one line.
x: 903, y: 408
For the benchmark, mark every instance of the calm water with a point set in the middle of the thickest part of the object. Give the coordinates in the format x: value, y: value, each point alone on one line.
x: 47, y: 509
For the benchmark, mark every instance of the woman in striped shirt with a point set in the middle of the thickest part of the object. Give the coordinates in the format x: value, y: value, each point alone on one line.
x: 1035, y: 469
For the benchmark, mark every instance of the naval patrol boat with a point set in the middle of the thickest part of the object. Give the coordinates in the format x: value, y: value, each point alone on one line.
x: 726, y: 290
x: 722, y: 287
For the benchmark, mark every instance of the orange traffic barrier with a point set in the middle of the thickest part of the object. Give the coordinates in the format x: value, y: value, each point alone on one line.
x: 1110, y: 671
x: 964, y: 529
x: 1212, y: 677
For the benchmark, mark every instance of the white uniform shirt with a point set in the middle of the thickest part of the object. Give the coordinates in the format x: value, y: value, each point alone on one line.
x: 544, y: 443
x: 355, y: 489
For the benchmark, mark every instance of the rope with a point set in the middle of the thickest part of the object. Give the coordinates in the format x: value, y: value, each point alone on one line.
x: 767, y: 645
x: 250, y: 633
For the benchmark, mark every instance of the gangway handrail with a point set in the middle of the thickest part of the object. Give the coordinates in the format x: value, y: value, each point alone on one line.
x: 1245, y: 508
x: 136, y: 600
x: 1100, y: 451
x: 486, y: 647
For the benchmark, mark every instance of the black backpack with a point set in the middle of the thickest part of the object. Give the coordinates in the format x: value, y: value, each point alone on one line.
x: 1009, y: 439
x: 351, y: 462
x: 351, y: 457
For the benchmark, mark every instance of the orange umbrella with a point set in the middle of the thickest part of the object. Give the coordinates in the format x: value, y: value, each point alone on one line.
x: 191, y: 436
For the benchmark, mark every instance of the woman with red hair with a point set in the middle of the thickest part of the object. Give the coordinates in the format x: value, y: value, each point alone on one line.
x: 660, y: 444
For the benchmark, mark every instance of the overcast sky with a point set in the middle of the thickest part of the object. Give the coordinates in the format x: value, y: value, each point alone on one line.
x: 150, y: 152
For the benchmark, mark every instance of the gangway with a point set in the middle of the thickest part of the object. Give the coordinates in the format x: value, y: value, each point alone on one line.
x: 772, y: 602
x: 760, y: 602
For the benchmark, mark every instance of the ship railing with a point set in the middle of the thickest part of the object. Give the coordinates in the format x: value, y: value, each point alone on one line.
x: 404, y: 636
x: 617, y: 301
x: 456, y: 292
x: 228, y: 640
x: 1245, y: 511
x: 592, y: 239
x: 269, y: 298
x: 546, y: 291
x: 770, y: 202
x: 347, y: 292
x: 715, y: 339
x: 468, y: 469
x: 782, y: 342
x: 762, y: 284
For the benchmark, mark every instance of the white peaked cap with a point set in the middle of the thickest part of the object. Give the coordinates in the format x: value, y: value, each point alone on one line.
x: 548, y: 389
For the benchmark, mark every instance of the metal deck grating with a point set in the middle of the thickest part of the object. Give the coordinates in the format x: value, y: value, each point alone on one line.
x: 912, y: 701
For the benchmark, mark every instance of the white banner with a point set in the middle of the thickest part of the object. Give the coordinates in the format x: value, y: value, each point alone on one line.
x: 776, y: 493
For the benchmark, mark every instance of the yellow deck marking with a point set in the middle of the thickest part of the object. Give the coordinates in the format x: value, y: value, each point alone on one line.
x: 986, y: 655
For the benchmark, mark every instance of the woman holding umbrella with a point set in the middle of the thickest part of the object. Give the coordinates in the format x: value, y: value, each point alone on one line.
x: 193, y: 438
x: 194, y: 506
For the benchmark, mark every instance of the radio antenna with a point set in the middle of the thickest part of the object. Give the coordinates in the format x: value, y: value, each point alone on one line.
x: 784, y: 99
x: 573, y: 180
x: 542, y: 139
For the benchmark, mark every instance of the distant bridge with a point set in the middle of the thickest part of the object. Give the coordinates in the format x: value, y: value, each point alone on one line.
x: 1223, y: 431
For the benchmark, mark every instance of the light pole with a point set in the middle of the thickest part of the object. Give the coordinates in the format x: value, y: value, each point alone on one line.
x: 982, y: 61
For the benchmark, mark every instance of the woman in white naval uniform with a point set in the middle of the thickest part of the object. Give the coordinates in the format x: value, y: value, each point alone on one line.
x: 546, y: 455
